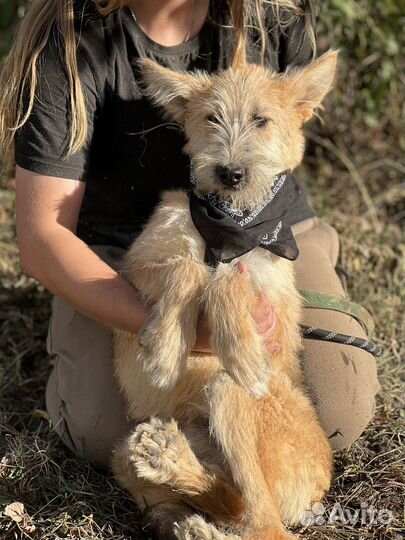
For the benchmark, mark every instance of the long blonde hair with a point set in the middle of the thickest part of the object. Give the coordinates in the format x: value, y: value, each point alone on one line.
x: 18, y: 78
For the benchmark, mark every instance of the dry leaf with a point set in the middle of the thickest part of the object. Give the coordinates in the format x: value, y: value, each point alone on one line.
x: 40, y: 414
x: 16, y: 512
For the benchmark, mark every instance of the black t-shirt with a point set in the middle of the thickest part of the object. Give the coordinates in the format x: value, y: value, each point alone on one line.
x: 133, y: 154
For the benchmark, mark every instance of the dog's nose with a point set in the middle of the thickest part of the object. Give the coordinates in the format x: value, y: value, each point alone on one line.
x: 230, y: 175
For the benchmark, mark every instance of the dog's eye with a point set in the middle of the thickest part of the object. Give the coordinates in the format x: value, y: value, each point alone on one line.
x: 261, y: 121
x: 212, y: 119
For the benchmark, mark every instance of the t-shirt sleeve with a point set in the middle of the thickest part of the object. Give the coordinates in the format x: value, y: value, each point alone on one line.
x: 297, y: 37
x: 41, y: 144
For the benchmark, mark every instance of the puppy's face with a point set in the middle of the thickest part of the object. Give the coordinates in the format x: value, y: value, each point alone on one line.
x: 242, y: 126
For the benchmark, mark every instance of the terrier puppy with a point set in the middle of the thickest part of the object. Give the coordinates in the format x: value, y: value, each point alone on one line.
x: 227, y: 445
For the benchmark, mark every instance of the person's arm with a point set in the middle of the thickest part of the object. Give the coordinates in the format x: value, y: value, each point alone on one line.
x: 47, y: 212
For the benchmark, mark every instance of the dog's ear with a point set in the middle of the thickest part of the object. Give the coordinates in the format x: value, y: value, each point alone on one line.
x: 171, y: 89
x: 311, y: 84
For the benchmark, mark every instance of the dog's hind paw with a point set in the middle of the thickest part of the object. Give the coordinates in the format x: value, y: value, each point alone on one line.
x: 162, y: 455
x: 196, y: 528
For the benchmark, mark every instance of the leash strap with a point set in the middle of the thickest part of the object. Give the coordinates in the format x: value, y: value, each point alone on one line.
x: 310, y: 332
x: 317, y: 300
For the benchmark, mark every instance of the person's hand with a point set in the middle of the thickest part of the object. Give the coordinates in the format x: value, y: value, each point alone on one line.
x: 263, y: 315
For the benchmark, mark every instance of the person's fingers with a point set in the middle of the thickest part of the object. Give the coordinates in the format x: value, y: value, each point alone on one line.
x: 265, y: 325
x: 268, y: 338
x: 262, y: 308
x: 262, y: 300
x: 273, y: 322
x: 268, y: 326
x: 274, y: 347
x: 264, y: 317
x: 242, y: 268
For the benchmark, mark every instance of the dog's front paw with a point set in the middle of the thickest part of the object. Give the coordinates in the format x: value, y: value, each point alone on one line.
x: 163, y: 353
x: 229, y: 302
x: 247, y: 362
x: 148, y: 333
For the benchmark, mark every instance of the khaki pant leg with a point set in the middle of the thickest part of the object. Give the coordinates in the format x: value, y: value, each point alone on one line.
x: 82, y: 397
x: 342, y: 379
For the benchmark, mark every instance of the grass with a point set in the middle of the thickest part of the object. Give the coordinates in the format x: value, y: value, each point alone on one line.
x: 354, y: 170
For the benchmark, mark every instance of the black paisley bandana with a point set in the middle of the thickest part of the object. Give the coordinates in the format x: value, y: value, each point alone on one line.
x: 230, y: 233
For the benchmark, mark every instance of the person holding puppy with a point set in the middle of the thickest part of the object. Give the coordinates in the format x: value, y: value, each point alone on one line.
x: 92, y: 157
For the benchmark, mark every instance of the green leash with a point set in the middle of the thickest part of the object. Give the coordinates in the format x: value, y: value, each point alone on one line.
x: 317, y: 300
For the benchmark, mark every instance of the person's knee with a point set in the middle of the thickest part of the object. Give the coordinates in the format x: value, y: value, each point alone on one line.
x: 97, y: 431
x: 343, y: 383
x: 90, y: 432
x: 98, y: 445
x: 347, y: 420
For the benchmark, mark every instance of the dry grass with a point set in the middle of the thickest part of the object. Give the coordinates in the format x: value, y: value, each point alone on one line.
x: 355, y: 173
x: 65, y: 498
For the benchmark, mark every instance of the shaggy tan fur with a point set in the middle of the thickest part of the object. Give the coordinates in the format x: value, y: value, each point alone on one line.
x: 227, y: 445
